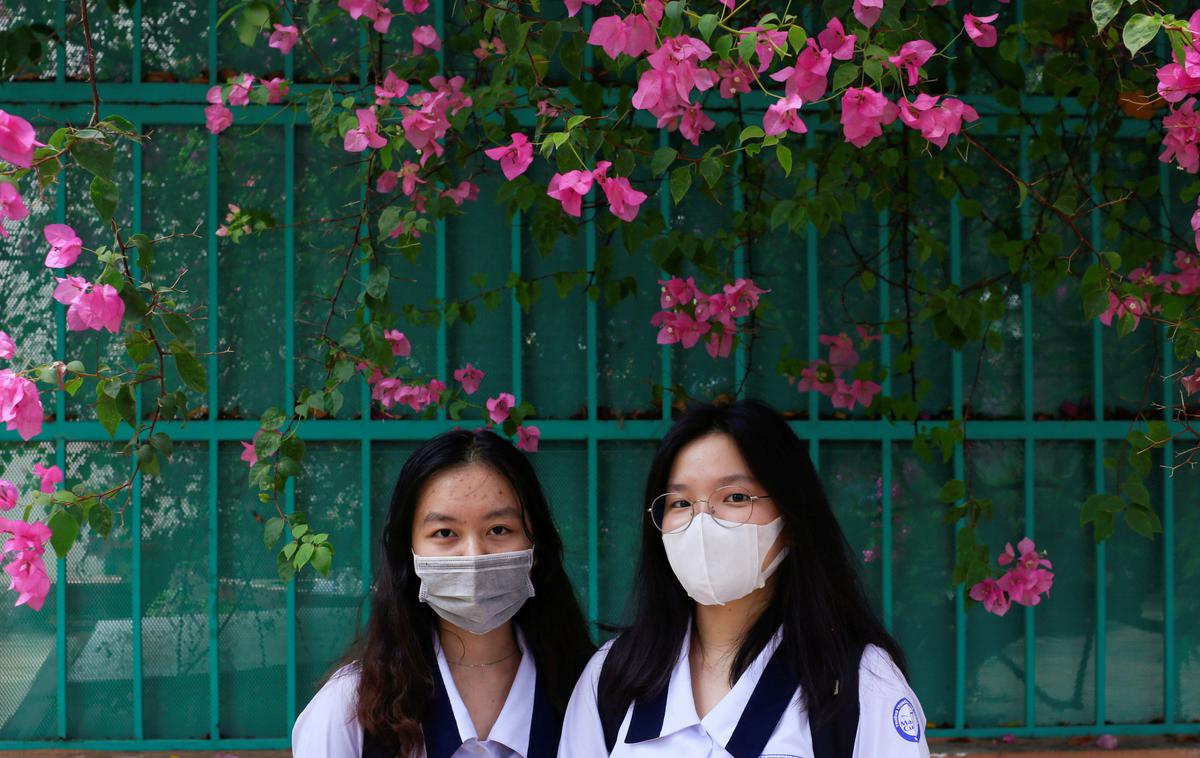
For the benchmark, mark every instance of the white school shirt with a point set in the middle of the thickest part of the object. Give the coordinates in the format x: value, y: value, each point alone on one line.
x: 327, y: 727
x: 891, y: 723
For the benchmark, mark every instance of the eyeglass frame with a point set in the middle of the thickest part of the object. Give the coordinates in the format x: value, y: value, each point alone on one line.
x: 711, y: 511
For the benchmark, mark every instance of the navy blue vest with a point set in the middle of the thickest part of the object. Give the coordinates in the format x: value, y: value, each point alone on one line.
x: 441, y: 730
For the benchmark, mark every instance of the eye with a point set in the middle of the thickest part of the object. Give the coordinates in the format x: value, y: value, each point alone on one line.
x: 499, y: 530
x: 443, y: 534
x: 739, y: 498
x: 679, y: 503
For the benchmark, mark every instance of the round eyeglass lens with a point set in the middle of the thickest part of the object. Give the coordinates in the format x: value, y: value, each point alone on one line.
x: 671, y: 512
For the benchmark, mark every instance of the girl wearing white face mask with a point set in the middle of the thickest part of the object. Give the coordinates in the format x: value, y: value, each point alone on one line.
x: 751, y: 634
x: 475, y: 637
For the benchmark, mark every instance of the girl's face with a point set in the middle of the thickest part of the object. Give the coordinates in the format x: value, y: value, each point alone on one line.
x: 468, y: 510
x: 714, y: 461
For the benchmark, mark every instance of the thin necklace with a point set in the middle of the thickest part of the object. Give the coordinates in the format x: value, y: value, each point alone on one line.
x: 489, y: 663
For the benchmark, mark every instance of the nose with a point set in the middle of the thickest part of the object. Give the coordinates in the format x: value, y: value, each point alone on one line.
x: 473, y: 545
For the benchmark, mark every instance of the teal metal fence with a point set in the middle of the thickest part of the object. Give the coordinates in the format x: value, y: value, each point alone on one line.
x: 175, y: 633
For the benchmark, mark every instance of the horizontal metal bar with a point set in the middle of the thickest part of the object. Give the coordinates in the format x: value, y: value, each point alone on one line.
x: 570, y: 429
x: 250, y: 743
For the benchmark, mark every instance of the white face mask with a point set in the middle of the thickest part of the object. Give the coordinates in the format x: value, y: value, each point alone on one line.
x: 477, y: 593
x: 718, y: 564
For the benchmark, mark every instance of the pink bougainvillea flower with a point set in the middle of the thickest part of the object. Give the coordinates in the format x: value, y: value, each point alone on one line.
x: 569, y: 189
x: 808, y: 78
x: 239, y: 90
x: 1182, y: 140
x: 277, y: 88
x: 359, y: 8
x: 842, y: 356
x: 65, y: 245
x: 425, y: 37
x: 28, y: 578
x: 574, y: 6
x: 734, y: 79
x: 835, y: 40
x: 980, y: 30
x: 20, y: 405
x: 846, y: 395
x: 719, y: 343
x: 415, y: 6
x: 461, y: 192
x: 70, y: 288
x: 514, y: 157
x: 11, y: 206
x: 498, y: 407
x: 741, y: 297
x: 864, y: 114
x: 991, y: 595
x: 911, y: 56
x: 693, y: 123
x: 868, y: 11
x: 1117, y: 307
x: 366, y: 134
x: 937, y: 123
x: 469, y: 377
x: 1174, y: 84
x: 9, y: 495
x: 386, y: 182
x: 676, y: 291
x: 8, y: 347
x: 393, y: 87
x: 398, y: 342
x: 527, y: 438
x: 284, y: 38
x: 17, y: 140
x: 383, y: 19
x: 248, y: 454
x: 784, y: 116
x: 48, y: 477
x: 810, y: 379
x: 1025, y: 586
x: 1191, y: 382
x: 99, y: 308
x: 632, y: 35
x: 217, y: 118
x: 623, y: 200
x: 674, y: 326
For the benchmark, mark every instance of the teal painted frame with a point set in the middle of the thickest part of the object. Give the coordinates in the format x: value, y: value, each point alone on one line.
x: 182, y: 104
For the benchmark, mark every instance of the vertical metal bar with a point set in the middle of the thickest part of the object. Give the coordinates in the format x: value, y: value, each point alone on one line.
x: 885, y: 474
x: 135, y: 73
x: 214, y: 567
x: 810, y: 259
x: 739, y: 271
x: 439, y: 23
x: 364, y: 480
x: 518, y: 355
x: 593, y: 453
x: 60, y: 415
x: 1027, y: 405
x: 1170, y: 674
x: 1098, y: 475
x: 289, y: 380
x: 60, y: 60
x: 664, y: 206
x: 135, y: 525
x: 956, y: 409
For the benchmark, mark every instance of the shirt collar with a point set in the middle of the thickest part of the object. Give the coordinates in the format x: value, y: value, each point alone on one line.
x: 512, y: 725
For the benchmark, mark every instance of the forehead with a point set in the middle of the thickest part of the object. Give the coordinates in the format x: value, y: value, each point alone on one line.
x: 465, y: 492
x: 706, y: 460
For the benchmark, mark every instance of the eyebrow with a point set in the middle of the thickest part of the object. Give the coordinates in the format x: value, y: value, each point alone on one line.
x: 732, y: 478
x: 501, y: 512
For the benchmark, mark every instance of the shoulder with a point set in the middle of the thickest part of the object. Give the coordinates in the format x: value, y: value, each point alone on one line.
x: 328, y: 724
x: 879, y: 674
x: 891, y: 721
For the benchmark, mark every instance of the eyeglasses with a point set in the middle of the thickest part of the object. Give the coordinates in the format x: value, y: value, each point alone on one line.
x: 731, y: 506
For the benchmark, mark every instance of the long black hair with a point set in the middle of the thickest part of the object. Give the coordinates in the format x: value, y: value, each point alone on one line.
x: 818, y: 597
x: 396, y: 659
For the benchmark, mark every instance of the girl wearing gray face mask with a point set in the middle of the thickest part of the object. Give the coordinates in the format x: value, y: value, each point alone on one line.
x: 475, y: 637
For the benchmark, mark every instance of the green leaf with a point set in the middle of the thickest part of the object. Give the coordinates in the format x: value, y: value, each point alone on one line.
x: 1139, y: 30
x: 190, y: 370
x: 1104, y: 11
x: 681, y: 181
x: 96, y: 156
x: 266, y: 445
x: 100, y: 519
x: 745, y: 48
x: 783, y: 154
x: 663, y: 157
x: 283, y: 565
x: 751, y: 132
x: 707, y: 23
x: 322, y: 559
x: 254, y: 17
x: 179, y: 328
x: 378, y: 281
x: 797, y: 37
x: 105, y: 197
x: 1102, y: 529
x: 712, y: 169
x: 273, y: 531
x: 952, y: 490
x: 106, y: 411
x: 844, y: 76
x: 63, y: 531
x: 272, y: 419
x: 1136, y: 492
x: 303, y: 553
x: 1143, y: 521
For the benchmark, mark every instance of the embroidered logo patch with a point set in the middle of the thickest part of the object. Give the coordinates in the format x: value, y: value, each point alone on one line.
x: 904, y: 718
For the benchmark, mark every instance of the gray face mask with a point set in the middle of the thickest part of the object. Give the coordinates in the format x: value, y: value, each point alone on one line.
x: 477, y: 593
